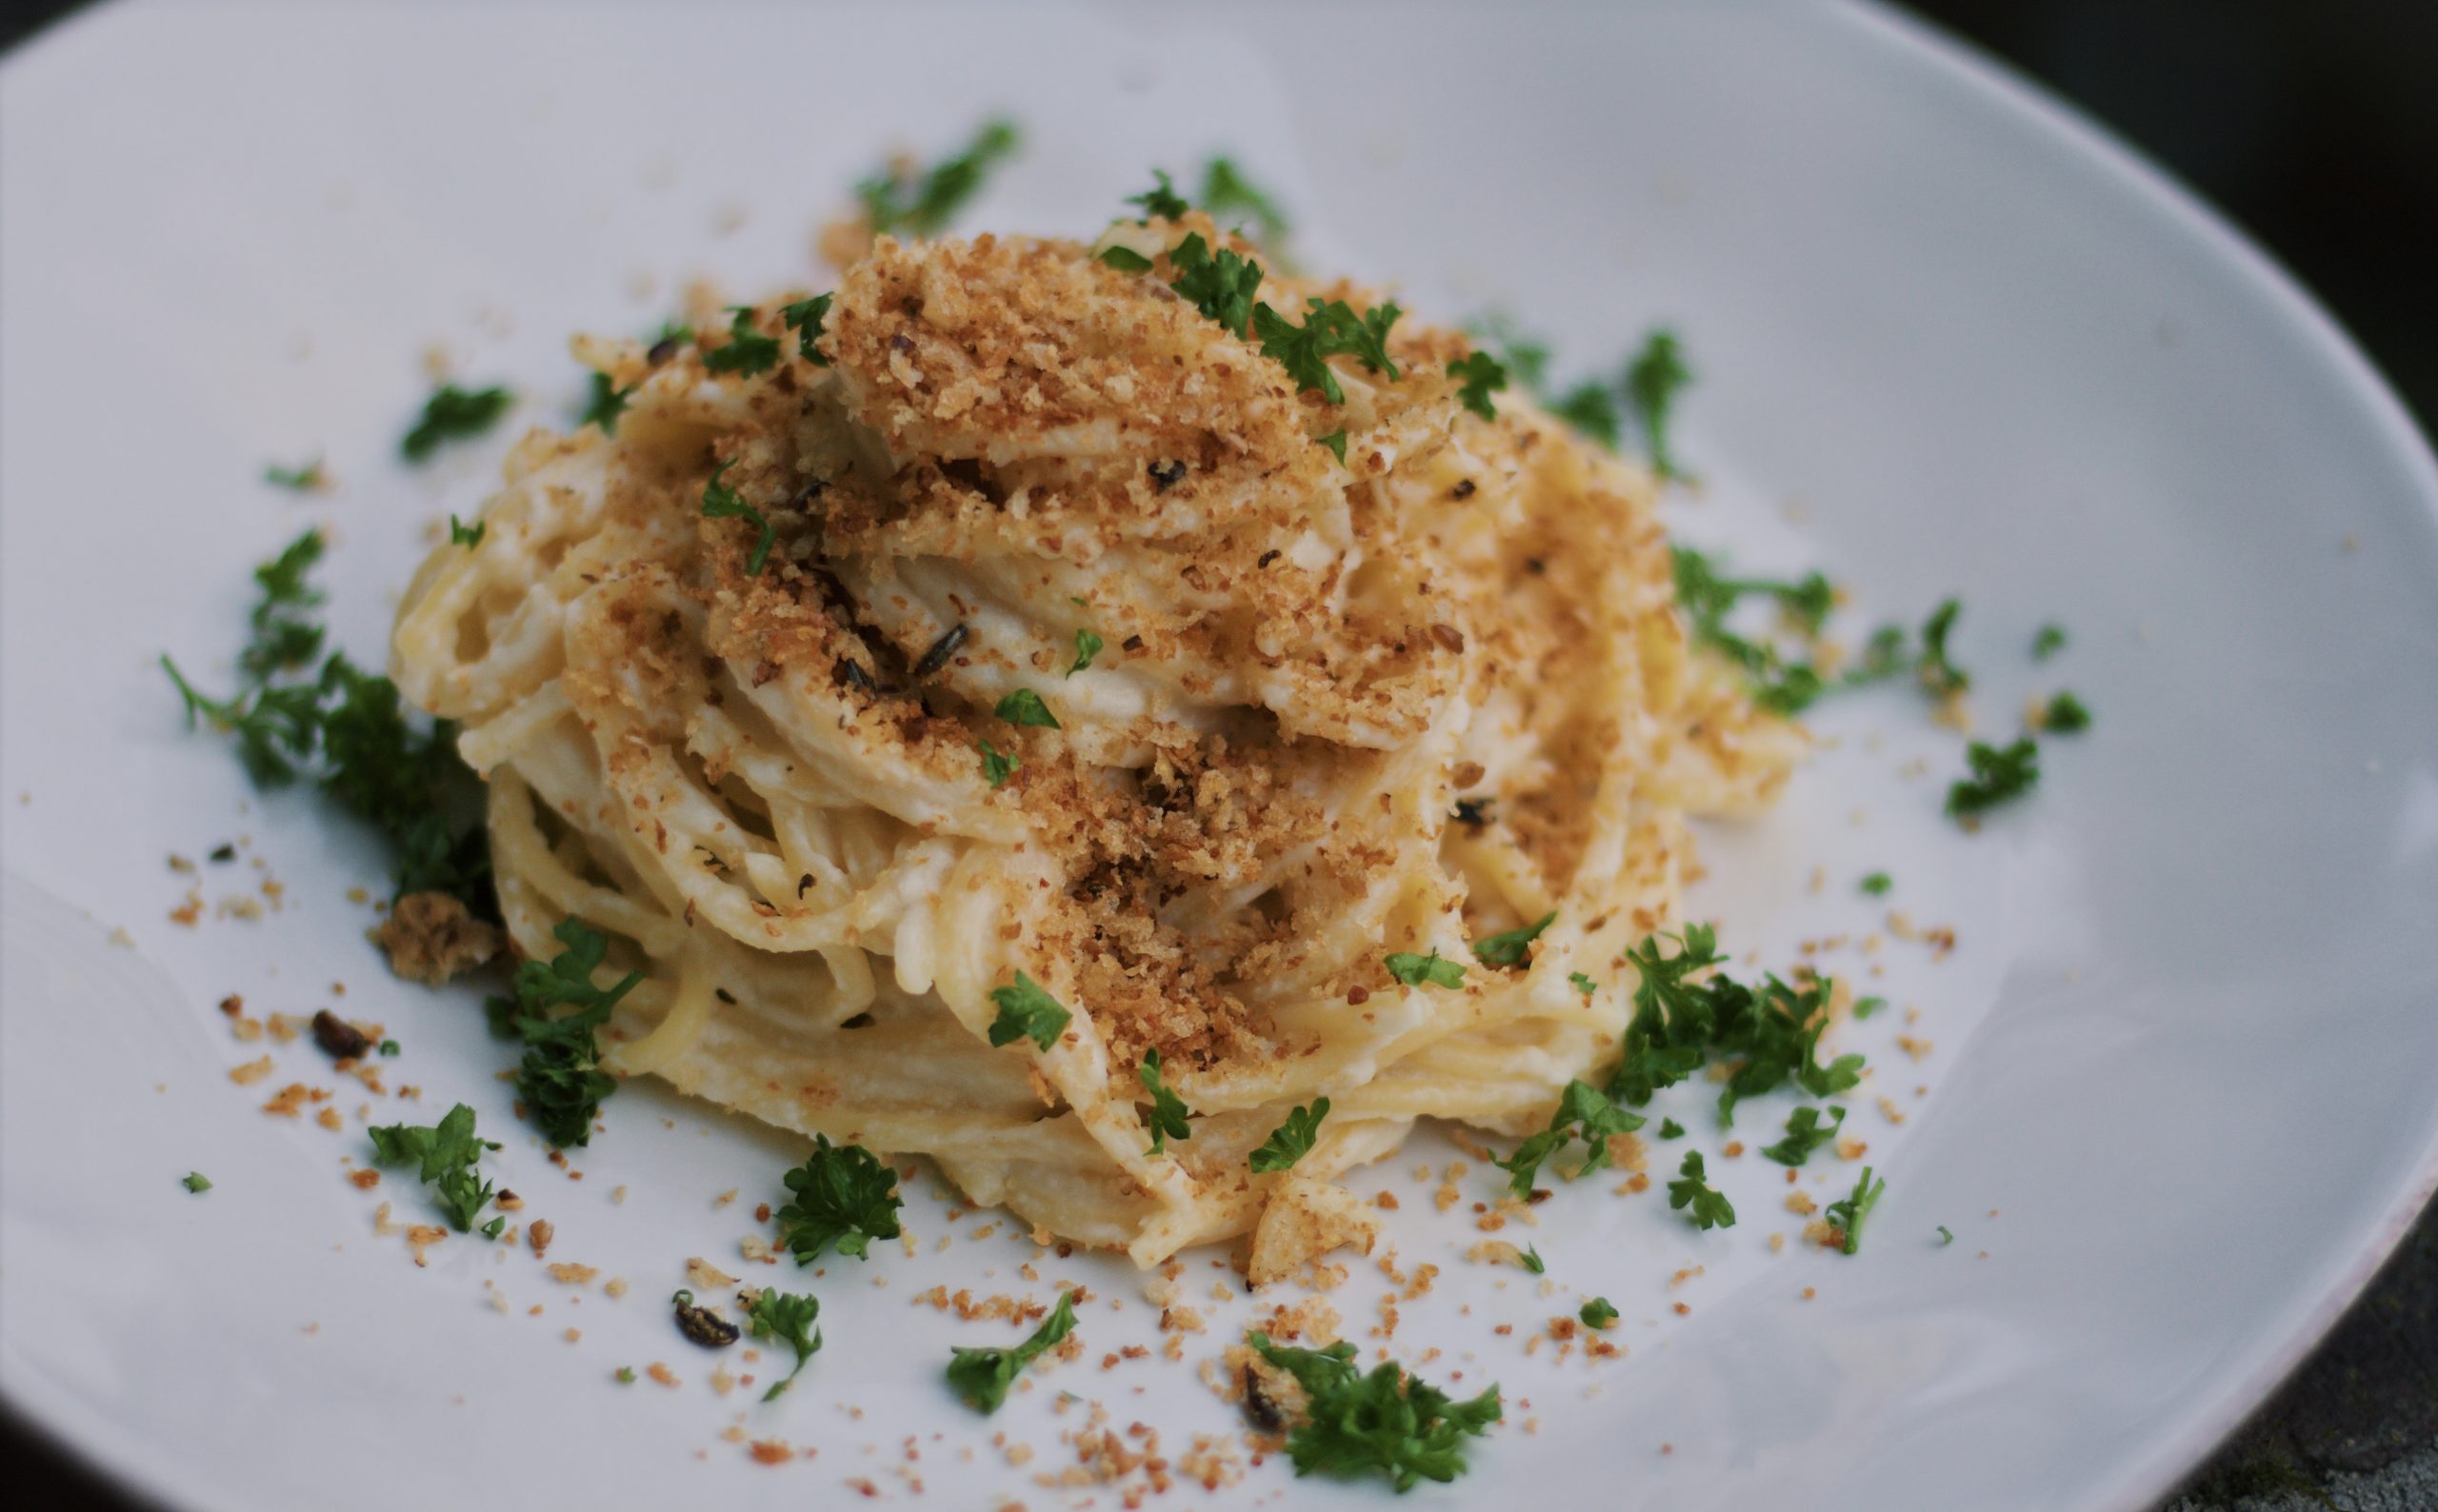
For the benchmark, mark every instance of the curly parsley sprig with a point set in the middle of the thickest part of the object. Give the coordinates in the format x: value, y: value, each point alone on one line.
x: 445, y: 1155
x: 845, y: 1198
x: 1387, y: 1421
x: 559, y: 1081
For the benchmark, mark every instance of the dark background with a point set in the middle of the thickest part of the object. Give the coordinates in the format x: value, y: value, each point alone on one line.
x: 2314, y: 124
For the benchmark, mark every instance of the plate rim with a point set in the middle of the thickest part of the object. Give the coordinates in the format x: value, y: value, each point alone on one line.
x: 2098, y: 146
x: 118, y: 1458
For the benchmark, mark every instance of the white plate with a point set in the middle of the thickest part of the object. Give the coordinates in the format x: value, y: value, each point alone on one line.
x: 2185, y: 1086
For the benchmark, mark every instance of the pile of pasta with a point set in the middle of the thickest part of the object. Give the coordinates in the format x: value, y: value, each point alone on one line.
x: 1038, y: 626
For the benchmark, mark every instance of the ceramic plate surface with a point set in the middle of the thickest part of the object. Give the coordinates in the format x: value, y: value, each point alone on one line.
x: 2180, y: 1088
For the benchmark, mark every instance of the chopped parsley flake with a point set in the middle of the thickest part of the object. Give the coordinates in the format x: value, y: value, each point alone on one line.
x: 922, y: 203
x: 453, y: 414
x: 446, y: 1155
x: 196, y: 1181
x: 2064, y: 715
x: 1512, y: 947
x: 469, y: 536
x: 1597, y: 1313
x: 1226, y: 191
x: 408, y: 784
x: 1125, y: 259
x: 720, y: 502
x: 1877, y: 884
x: 1709, y: 1206
x: 1941, y: 677
x: 626, y: 1375
x: 1088, y: 646
x: 1160, y: 201
x: 1805, y: 1133
x: 389, y: 1047
x: 746, y: 351
x: 845, y: 1198
x: 1999, y: 775
x: 1219, y: 284
x: 1478, y: 375
x: 1946, y: 1238
x: 1533, y: 1260
x: 997, y: 766
x: 606, y: 404
x: 1591, y: 408
x: 2048, y: 642
x: 1024, y: 707
x: 786, y: 1318
x: 1773, y: 1034
x: 1414, y: 970
x: 804, y: 317
x: 1707, y: 596
x: 1583, y: 984
x: 981, y: 1377
x: 1849, y: 1212
x: 1168, y: 1120
x: 1385, y: 1422
x: 1583, y: 1112
x: 1865, y: 1007
x: 1670, y: 1129
x: 1027, y: 1012
x: 496, y: 1227
x: 1653, y: 380
x: 559, y: 1081
x: 1335, y: 441
x: 302, y: 480
x: 1292, y: 1140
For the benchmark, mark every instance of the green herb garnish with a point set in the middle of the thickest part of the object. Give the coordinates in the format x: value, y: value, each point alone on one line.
x: 1219, y: 284
x: 1653, y: 380
x: 1125, y: 259
x: 453, y: 414
x: 981, y: 1377
x: 301, y: 480
x: 786, y: 1318
x: 1999, y: 775
x: 1533, y: 1260
x: 720, y: 502
x: 1385, y: 1422
x: 1292, y: 1140
x: 1024, y: 707
x: 845, y: 1198
x: 1805, y: 1133
x: 1946, y: 1238
x: 899, y: 199
x: 1168, y: 1120
x: 469, y: 536
x: 196, y: 1181
x: 1591, y: 408
x: 1478, y: 375
x: 1225, y: 190
x: 559, y: 1081
x: 606, y: 404
x: 446, y: 1155
x: 1414, y: 970
x: 1709, y: 1206
x: 1849, y: 1212
x: 804, y: 317
x: 1027, y: 1012
x: 1583, y: 1112
x: 1670, y: 1129
x: 1877, y: 884
x: 1335, y: 441
x: 746, y: 350
x: 1941, y: 677
x: 1597, y: 1313
x: 997, y: 766
x: 2064, y: 715
x: 1512, y: 947
x: 1160, y: 201
x: 2048, y: 642
x: 348, y: 729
